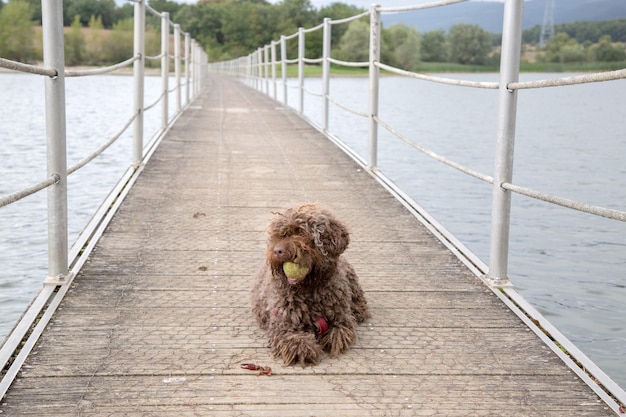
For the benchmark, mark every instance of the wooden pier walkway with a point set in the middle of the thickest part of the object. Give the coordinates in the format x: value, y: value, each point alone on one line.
x: 158, y: 321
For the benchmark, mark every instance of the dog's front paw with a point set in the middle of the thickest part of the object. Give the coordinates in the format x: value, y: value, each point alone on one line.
x: 338, y: 339
x: 297, y: 348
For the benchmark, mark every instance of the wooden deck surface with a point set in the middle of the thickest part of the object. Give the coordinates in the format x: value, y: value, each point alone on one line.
x: 158, y: 321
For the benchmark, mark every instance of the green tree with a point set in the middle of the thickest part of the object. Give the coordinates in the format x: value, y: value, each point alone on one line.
x: 153, y: 45
x: 338, y: 11
x: 229, y: 28
x: 87, y: 8
x: 204, y: 22
x: 572, y: 53
x: 75, y: 44
x: 127, y: 10
x: 35, y: 7
x: 354, y: 44
x: 95, y: 48
x: 583, y: 31
x: 562, y: 48
x: 293, y: 14
x: 434, y: 47
x: 245, y: 26
x: 404, y: 43
x: 16, y: 31
x: 120, y: 43
x: 469, y: 44
x: 605, y: 51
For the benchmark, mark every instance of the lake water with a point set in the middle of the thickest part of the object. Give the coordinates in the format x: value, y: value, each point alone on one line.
x: 571, y: 141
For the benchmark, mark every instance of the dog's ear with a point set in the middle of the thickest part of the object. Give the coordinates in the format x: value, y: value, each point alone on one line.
x: 331, y: 235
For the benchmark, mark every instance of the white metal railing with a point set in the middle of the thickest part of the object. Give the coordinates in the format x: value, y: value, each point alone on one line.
x: 259, y: 71
x: 64, y: 263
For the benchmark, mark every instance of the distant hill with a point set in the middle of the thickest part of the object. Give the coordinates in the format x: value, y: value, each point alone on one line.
x: 489, y: 14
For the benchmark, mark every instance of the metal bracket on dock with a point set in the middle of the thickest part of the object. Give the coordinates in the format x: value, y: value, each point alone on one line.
x: 497, y: 282
x: 59, y: 279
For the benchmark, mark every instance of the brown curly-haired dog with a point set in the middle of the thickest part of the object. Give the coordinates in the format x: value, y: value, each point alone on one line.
x: 317, y: 308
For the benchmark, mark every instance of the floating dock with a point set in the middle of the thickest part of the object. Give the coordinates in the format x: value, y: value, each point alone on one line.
x: 158, y: 321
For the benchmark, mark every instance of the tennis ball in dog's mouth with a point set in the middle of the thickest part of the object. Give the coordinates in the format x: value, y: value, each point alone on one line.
x: 294, y: 270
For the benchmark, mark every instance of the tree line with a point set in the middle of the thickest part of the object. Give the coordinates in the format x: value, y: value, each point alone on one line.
x: 231, y: 28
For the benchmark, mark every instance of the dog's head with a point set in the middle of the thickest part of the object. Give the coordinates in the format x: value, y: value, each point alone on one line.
x: 310, y: 237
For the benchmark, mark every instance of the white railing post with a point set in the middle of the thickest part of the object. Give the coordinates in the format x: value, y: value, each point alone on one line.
x: 266, y: 67
x: 53, y: 56
x: 283, y: 66
x: 252, y: 82
x: 204, y: 68
x: 196, y: 74
x: 248, y: 69
x: 503, y: 170
x: 273, y: 53
x: 192, y: 66
x: 301, y: 45
x: 177, y: 66
x: 138, y: 75
x: 259, y: 69
x: 326, y: 71
x: 198, y: 69
x: 187, y: 63
x: 374, y: 58
x: 253, y: 69
x: 165, y: 67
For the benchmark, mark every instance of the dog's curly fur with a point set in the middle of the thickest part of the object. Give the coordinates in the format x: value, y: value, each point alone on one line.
x: 290, y: 312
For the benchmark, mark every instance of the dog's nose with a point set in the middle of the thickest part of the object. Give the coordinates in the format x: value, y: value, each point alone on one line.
x: 280, y: 252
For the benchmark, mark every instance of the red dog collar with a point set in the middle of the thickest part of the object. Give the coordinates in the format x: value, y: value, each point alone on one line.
x: 322, y: 324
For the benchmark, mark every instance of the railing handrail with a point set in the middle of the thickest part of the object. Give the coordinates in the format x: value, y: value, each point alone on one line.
x: 253, y: 69
x: 61, y: 270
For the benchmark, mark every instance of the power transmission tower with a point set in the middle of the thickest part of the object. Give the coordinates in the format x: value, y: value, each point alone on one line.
x: 547, y: 28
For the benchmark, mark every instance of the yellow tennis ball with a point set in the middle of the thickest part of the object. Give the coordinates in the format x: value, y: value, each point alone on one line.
x: 294, y: 270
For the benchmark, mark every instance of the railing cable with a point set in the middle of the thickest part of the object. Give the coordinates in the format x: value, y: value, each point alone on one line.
x: 578, y: 79
x: 349, y: 19
x: 313, y: 60
x: 103, y: 70
x: 153, y: 57
x: 313, y: 93
x: 419, y: 6
x: 341, y: 106
x: 31, y: 69
x: 314, y: 28
x: 12, y: 198
x: 441, y: 80
x: 363, y: 64
x: 564, y: 202
x: 146, y: 108
x: 436, y: 156
x: 102, y: 148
